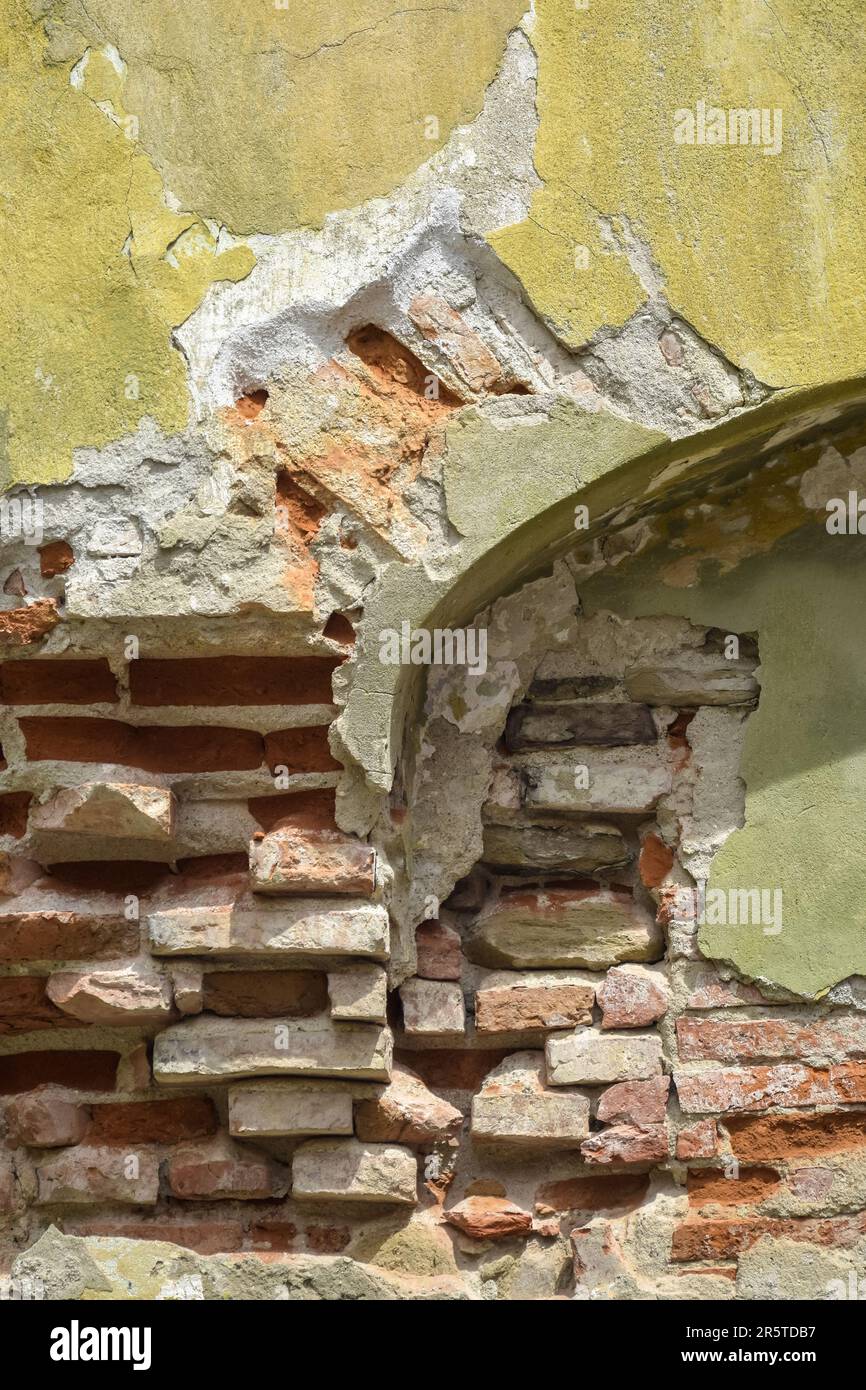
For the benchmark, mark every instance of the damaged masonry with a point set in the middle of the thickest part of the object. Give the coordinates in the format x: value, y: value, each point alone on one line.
x: 431, y: 657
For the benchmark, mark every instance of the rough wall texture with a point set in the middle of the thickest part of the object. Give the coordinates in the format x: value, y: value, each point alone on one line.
x: 330, y: 968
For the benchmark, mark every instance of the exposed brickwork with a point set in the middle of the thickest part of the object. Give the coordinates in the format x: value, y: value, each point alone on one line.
x: 559, y: 1021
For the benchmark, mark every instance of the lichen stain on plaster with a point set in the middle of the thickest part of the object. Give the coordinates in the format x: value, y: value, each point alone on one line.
x: 761, y: 253
x: 267, y: 118
x: 103, y: 269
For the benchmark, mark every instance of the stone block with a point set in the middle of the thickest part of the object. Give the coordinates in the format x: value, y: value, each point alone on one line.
x: 590, y: 1058
x: 205, y: 1049
x: 344, y: 1170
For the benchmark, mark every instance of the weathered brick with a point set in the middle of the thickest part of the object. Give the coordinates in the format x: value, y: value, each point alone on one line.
x: 45, y: 1119
x: 110, y: 810
x: 616, y: 786
x: 590, y: 1058
x: 306, y: 927
x: 359, y: 992
x: 54, y: 934
x: 655, y: 861
x: 288, y: 861
x: 822, y: 1039
x: 697, y: 1239
x: 583, y: 926
x: 698, y: 1141
x: 515, y: 1106
x: 187, y: 985
x: 432, y: 1008
x: 439, y: 951
x: 218, y: 1170
x: 84, y: 1176
x: 769, y: 1138
x: 265, y: 993
x: 55, y: 558
x: 627, y: 1144
x: 507, y: 1002
x: 205, y: 1048
x: 635, y: 1102
x: 346, y: 1170
x: 633, y: 997
x: 707, y: 990
x: 406, y: 1112
x: 790, y: 1084
x: 581, y: 848
x: 537, y: 725
x: 701, y: 679
x: 300, y: 750
x: 286, y: 1108
x: 132, y: 997
x: 489, y: 1218
x: 152, y: 1121
x: 618, y: 1192
x: 737, y: 1187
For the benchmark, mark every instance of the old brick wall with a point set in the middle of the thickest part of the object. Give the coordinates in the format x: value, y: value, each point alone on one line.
x: 200, y: 1043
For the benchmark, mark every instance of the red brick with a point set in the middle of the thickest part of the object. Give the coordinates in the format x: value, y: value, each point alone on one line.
x: 627, y: 1144
x: 152, y: 1122
x: 773, y: 1137
x: 166, y: 749
x: 789, y: 1084
x: 25, y: 1007
x: 635, y: 1102
x: 698, y: 1141
x: 439, y: 953
x: 621, y: 1191
x: 58, y: 682
x: 655, y: 861
x: 489, y: 1218
x: 233, y: 680
x: 219, y: 1169
x: 632, y: 997
x: 732, y: 1040
x: 696, y: 1239
x: 55, y: 558
x: 29, y: 623
x: 710, y: 1186
x: 45, y: 1119
x: 65, y: 936
x: 266, y: 993
x: 13, y: 813
x: 81, y: 1071
x: 300, y: 750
